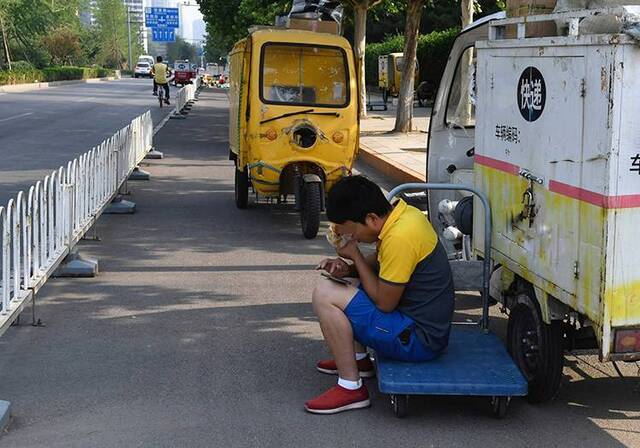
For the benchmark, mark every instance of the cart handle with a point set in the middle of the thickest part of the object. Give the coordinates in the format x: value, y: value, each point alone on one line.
x: 486, y: 265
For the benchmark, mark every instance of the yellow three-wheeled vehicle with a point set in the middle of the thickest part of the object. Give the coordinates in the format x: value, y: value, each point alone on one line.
x: 293, y: 119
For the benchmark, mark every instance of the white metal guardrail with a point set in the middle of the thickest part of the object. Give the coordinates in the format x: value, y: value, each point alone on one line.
x: 39, y: 228
x: 187, y: 94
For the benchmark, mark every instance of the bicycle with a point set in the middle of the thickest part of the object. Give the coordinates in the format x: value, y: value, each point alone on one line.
x: 161, y: 95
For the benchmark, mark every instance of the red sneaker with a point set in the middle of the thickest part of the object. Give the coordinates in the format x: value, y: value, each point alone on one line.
x: 365, y: 366
x: 338, y: 399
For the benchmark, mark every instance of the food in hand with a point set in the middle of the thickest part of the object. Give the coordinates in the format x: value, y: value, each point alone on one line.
x: 335, y: 239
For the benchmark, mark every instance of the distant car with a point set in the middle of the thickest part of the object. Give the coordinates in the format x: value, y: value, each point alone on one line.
x: 142, y: 69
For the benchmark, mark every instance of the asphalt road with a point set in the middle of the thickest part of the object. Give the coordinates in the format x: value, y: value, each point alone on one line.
x: 43, y: 129
x: 199, y: 332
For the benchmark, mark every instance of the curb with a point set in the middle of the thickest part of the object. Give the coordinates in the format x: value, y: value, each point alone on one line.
x: 388, y: 166
x: 18, y: 88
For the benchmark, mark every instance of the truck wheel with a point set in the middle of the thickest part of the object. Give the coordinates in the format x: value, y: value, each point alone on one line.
x: 242, y: 188
x: 536, y: 347
x: 310, y: 210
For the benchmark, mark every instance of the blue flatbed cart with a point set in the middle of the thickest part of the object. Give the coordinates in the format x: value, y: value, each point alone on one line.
x: 475, y: 363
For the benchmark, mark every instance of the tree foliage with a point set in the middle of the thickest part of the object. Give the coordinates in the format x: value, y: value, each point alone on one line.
x: 181, y: 49
x: 228, y: 20
x: 111, y: 23
x: 63, y: 44
x: 27, y: 22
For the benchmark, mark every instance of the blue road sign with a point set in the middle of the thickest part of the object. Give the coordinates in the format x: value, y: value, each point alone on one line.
x: 163, y: 34
x: 162, y: 17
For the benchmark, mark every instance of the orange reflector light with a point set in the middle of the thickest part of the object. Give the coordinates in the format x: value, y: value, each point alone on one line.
x: 338, y: 137
x: 271, y: 134
x: 627, y: 341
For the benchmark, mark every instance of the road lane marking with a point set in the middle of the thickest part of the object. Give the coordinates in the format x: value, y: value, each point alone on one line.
x: 16, y: 116
x: 82, y: 100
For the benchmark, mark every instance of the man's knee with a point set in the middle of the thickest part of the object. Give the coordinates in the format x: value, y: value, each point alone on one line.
x: 330, y: 294
x: 321, y: 295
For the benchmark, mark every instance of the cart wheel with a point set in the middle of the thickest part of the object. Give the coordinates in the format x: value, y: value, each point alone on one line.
x: 310, y: 210
x: 400, y: 404
x: 385, y: 97
x: 242, y: 188
x: 537, y: 348
x: 499, y: 406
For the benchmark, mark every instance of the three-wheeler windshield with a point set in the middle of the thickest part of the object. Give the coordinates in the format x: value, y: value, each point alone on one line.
x: 304, y: 75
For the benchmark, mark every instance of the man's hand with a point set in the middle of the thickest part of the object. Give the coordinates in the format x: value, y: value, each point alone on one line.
x: 350, y: 251
x: 335, y: 266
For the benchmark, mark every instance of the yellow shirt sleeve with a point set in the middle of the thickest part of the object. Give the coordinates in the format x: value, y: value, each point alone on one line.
x: 397, y: 258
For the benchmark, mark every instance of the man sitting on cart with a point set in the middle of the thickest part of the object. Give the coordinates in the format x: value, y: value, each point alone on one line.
x: 401, y: 304
x: 161, y: 74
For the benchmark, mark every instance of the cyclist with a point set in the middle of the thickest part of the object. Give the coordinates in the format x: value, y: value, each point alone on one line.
x: 161, y: 73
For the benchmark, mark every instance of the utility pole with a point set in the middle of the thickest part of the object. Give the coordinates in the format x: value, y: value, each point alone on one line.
x: 129, y: 34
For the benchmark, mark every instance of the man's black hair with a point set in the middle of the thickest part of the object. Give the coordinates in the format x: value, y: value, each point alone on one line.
x: 159, y: 59
x: 353, y: 198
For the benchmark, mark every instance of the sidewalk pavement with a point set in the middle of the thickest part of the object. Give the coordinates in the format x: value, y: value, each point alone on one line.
x: 399, y: 156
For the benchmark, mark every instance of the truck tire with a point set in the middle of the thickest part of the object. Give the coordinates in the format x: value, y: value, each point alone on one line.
x: 537, y: 348
x: 242, y: 188
x: 311, y: 208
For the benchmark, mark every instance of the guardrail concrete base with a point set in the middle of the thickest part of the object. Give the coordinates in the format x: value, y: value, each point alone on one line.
x: 139, y: 174
x: 5, y: 415
x: 120, y: 206
x: 75, y: 265
x: 178, y: 116
x: 153, y: 154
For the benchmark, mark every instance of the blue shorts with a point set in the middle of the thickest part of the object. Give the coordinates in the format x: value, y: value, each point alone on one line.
x: 392, y: 335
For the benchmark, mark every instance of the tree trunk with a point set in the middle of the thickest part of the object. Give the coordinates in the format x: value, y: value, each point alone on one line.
x: 404, y: 114
x: 360, y: 42
x: 7, y: 55
x: 463, y: 111
x: 467, y: 12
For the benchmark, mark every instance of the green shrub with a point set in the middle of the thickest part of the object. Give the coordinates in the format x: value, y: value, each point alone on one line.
x: 22, y: 65
x: 62, y: 73
x: 24, y: 73
x: 433, y: 53
x: 20, y: 76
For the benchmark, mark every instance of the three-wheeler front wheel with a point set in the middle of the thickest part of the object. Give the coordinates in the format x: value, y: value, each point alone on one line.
x: 310, y: 209
x: 242, y: 188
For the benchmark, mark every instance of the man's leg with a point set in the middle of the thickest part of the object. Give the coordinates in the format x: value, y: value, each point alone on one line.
x: 155, y: 87
x: 329, y: 302
x: 166, y: 93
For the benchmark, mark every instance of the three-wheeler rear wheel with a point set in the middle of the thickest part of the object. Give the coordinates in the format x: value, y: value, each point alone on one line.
x: 242, y: 188
x: 536, y: 347
x: 310, y: 208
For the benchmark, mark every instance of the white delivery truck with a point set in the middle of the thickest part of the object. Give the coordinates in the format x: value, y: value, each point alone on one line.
x: 548, y: 128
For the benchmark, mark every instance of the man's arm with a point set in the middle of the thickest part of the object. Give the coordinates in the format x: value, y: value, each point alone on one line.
x: 386, y: 296
x: 372, y: 261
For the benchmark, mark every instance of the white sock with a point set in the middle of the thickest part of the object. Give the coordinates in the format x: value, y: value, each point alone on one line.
x: 351, y: 385
x: 360, y: 356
